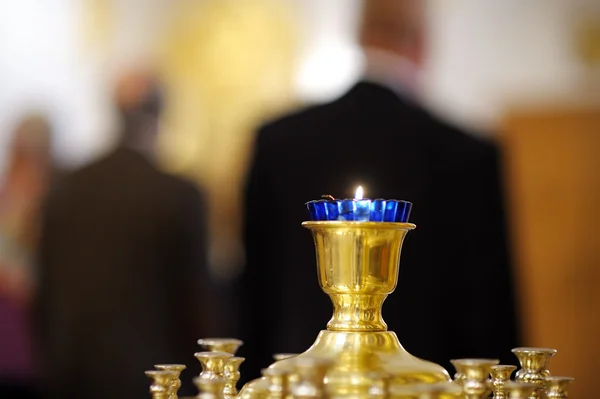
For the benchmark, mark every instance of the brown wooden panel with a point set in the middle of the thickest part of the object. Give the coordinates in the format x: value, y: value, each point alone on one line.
x: 552, y: 161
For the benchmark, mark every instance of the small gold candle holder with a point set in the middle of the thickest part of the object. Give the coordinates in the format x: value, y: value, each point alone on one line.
x: 175, y: 382
x: 475, y: 384
x: 520, y: 390
x: 227, y: 345
x: 310, y: 374
x: 210, y: 388
x: 534, y: 366
x: 278, y: 382
x: 459, y: 376
x: 161, y: 387
x: 213, y: 363
x: 500, y: 376
x: 558, y: 387
x: 232, y: 374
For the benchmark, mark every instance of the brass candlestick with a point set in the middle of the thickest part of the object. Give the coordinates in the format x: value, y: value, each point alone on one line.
x: 227, y: 345
x: 210, y: 388
x: 213, y: 364
x: 520, y: 390
x: 475, y: 383
x: 558, y: 387
x: 278, y: 383
x: 161, y: 387
x: 310, y: 374
x: 357, y: 266
x: 534, y: 363
x: 175, y: 381
x: 231, y: 373
x: 459, y: 376
x: 500, y: 376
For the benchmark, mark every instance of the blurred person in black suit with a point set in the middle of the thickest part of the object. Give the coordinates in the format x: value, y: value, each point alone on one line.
x: 455, y: 294
x: 122, y: 264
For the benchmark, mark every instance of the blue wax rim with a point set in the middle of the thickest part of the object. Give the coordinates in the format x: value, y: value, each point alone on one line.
x: 364, y: 210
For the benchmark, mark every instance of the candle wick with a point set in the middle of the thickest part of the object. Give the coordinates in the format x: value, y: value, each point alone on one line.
x: 328, y: 196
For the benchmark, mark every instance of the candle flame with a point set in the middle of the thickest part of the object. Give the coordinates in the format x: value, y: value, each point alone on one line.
x: 359, y: 193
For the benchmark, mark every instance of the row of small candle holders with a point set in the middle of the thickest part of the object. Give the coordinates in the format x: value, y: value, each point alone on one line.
x: 220, y: 374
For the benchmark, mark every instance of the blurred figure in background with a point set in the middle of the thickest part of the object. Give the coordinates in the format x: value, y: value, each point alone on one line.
x: 455, y: 295
x: 122, y: 264
x: 27, y: 179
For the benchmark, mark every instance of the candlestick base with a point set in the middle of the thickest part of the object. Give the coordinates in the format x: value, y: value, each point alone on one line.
x: 352, y: 359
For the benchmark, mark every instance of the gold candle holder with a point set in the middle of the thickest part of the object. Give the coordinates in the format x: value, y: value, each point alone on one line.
x: 278, y: 383
x: 210, y: 388
x: 534, y: 363
x: 500, y: 376
x: 310, y: 374
x: 520, y: 390
x: 161, y: 387
x: 459, y: 376
x: 213, y: 364
x: 357, y: 266
x: 175, y: 381
x: 227, y: 345
x: 558, y: 387
x: 476, y: 371
x: 231, y: 373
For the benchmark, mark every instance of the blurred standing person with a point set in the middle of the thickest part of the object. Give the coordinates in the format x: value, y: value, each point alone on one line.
x: 27, y: 179
x: 123, y: 266
x: 455, y: 295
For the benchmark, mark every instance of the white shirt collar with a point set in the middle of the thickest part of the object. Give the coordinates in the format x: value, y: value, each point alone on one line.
x: 392, y: 71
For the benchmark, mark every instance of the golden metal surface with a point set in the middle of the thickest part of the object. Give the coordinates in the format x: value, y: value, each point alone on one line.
x: 357, y: 266
x: 227, y: 345
x: 278, y: 383
x: 175, y: 382
x: 231, y: 373
x: 210, y: 388
x: 534, y: 363
x: 520, y: 390
x: 281, y: 356
x: 213, y: 364
x: 500, y: 376
x: 356, y: 357
x: 310, y: 373
x: 558, y: 387
x: 442, y: 390
x: 161, y: 387
x: 459, y: 376
x: 475, y: 383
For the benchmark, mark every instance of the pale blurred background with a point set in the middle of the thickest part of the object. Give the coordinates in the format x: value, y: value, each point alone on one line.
x: 525, y: 73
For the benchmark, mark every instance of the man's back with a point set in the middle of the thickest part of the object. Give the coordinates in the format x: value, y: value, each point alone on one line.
x: 122, y: 254
x: 454, y: 295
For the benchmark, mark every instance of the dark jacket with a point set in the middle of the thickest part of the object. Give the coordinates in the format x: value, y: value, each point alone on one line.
x: 454, y: 296
x: 122, y: 272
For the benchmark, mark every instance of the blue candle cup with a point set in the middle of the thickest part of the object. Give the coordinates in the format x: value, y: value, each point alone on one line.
x: 359, y: 210
x: 377, y: 210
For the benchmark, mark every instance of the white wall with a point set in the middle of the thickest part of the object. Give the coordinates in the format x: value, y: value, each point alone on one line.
x: 40, y: 69
x: 488, y: 55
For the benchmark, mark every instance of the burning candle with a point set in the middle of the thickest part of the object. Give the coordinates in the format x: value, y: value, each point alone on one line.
x: 362, y: 211
x: 359, y: 209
